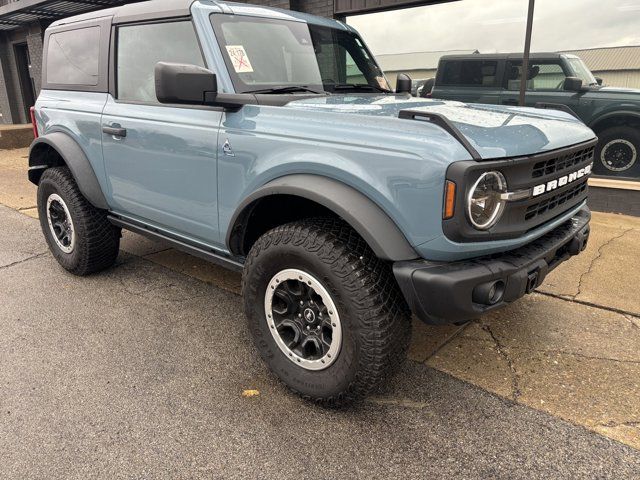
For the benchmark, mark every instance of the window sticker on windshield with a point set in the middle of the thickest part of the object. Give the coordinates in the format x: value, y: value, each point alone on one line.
x: 239, y: 59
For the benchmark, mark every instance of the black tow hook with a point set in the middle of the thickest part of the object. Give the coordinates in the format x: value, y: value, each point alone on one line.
x: 532, y: 281
x: 579, y: 242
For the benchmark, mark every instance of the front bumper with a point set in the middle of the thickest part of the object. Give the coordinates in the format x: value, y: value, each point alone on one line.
x: 441, y: 293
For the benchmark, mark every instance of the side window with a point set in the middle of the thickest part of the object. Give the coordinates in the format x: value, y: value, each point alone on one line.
x: 542, y: 76
x: 141, y: 46
x: 472, y: 73
x: 73, y: 57
x: 338, y: 65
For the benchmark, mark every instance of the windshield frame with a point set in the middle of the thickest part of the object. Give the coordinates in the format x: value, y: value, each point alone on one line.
x: 217, y: 19
x: 579, y: 69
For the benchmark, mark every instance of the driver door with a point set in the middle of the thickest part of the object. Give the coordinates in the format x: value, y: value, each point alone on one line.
x: 160, y: 159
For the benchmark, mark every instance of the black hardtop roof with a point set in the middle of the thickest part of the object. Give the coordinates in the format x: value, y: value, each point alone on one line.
x: 132, y: 11
x: 504, y: 56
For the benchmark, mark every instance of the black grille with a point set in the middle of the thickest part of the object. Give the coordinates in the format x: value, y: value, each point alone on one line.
x: 552, y: 202
x: 522, y: 173
x: 563, y: 162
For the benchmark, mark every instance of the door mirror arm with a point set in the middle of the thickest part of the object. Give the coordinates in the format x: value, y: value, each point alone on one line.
x: 229, y: 101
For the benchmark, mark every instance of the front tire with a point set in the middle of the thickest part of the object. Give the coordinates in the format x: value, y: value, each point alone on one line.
x: 79, y: 235
x: 617, y: 152
x: 325, y: 313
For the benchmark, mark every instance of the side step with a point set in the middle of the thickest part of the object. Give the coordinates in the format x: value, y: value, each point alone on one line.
x: 207, y: 253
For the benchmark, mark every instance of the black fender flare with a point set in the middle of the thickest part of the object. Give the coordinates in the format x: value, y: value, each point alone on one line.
x: 74, y: 158
x: 373, y: 224
x: 613, y: 114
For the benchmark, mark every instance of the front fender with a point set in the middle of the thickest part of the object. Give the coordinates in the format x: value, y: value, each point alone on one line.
x: 74, y: 157
x: 604, y: 116
x: 370, y: 221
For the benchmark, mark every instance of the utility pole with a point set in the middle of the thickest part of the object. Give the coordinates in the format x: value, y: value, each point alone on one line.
x: 524, y: 76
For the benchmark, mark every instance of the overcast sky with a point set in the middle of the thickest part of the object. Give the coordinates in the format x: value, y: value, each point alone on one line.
x: 499, y: 26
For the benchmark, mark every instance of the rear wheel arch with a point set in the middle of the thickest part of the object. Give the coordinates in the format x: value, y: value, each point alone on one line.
x: 59, y: 149
x: 300, y: 196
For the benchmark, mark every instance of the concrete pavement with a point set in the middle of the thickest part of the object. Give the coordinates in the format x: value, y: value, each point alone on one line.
x: 139, y: 372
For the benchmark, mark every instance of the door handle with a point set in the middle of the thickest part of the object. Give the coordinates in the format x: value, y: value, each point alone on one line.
x: 510, y: 102
x: 115, y: 131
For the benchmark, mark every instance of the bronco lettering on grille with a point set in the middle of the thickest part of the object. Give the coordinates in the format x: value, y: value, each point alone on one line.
x: 561, y: 182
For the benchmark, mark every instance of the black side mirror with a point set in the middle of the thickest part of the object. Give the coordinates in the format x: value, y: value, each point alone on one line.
x: 403, y: 83
x: 598, y: 80
x: 572, y: 84
x: 184, y: 84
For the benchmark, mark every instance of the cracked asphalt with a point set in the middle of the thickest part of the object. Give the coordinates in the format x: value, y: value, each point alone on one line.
x: 139, y: 372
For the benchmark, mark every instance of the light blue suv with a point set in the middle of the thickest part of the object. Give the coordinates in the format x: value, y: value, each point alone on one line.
x: 269, y: 142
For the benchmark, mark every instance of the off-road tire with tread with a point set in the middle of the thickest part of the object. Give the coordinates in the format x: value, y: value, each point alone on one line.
x: 97, y: 240
x: 376, y: 321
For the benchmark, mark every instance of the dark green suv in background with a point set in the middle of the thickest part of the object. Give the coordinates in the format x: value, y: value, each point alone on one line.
x: 553, y: 78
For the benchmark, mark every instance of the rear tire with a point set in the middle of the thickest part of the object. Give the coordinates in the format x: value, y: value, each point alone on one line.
x: 319, y: 274
x: 79, y: 235
x: 617, y: 152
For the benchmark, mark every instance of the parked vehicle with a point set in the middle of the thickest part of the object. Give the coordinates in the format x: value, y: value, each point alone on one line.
x: 243, y: 138
x: 553, y: 78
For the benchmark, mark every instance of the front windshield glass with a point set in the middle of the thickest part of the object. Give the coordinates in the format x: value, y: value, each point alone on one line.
x: 581, y: 71
x: 264, y: 54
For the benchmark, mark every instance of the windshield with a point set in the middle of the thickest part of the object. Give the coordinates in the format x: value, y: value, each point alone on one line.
x: 264, y: 54
x: 581, y: 71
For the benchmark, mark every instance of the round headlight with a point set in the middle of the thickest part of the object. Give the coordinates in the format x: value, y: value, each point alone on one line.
x: 484, y: 204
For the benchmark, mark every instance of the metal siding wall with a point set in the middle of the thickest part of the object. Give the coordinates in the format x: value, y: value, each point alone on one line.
x: 286, y: 4
x: 414, y: 74
x: 351, y: 7
x: 323, y: 8
x: 620, y: 78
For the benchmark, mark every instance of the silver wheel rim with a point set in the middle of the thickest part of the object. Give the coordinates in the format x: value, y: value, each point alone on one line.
x: 60, y: 223
x: 607, y: 161
x: 303, y: 319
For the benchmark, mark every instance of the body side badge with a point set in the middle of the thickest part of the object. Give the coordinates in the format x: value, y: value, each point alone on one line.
x: 226, y: 148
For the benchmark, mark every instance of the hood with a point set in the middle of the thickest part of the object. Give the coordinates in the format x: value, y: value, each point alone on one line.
x: 618, y: 90
x: 494, y: 131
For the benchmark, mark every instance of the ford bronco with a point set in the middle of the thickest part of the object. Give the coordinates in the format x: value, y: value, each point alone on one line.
x: 553, y: 79
x: 269, y: 142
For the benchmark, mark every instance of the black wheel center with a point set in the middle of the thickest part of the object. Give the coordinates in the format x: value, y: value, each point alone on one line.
x: 309, y: 315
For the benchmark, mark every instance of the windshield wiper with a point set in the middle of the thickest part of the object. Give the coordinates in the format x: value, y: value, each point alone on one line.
x: 289, y: 89
x: 359, y: 86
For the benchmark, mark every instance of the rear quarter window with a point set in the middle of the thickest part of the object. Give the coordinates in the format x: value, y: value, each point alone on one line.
x: 473, y: 73
x: 73, y: 57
